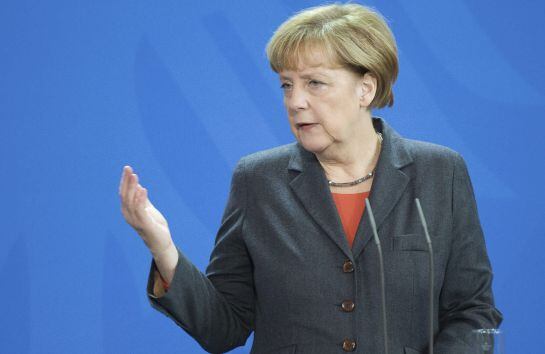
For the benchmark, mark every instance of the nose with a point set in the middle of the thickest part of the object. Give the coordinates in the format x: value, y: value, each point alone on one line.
x: 296, y: 99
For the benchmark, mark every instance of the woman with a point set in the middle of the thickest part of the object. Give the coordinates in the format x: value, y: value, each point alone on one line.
x: 292, y: 259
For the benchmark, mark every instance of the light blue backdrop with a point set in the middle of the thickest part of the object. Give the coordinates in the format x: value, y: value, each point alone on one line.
x: 181, y: 90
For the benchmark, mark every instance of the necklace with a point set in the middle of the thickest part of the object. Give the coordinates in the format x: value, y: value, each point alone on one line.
x: 359, y: 180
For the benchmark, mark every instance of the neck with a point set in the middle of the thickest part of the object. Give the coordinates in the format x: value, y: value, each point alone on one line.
x: 353, y: 157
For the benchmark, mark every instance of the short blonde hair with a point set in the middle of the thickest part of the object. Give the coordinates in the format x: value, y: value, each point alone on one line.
x: 353, y: 36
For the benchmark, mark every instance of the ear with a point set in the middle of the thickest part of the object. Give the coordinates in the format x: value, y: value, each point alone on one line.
x: 368, y: 89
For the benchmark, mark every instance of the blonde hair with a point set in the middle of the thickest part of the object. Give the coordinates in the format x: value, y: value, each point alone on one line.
x: 351, y: 35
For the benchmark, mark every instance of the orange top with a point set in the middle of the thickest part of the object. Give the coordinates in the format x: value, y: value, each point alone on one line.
x: 350, y: 208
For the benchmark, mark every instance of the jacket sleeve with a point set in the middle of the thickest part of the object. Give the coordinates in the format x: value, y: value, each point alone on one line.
x: 216, y: 309
x: 466, y: 301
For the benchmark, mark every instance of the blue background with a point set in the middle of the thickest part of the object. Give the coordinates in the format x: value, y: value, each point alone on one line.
x: 180, y: 90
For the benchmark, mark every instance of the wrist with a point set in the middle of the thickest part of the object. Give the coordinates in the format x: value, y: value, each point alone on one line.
x: 160, y: 251
x: 166, y: 260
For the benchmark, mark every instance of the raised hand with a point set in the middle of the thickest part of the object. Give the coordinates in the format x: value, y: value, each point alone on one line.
x: 148, y: 222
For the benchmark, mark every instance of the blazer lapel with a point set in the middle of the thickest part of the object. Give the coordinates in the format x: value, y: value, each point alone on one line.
x: 388, y: 185
x: 310, y: 186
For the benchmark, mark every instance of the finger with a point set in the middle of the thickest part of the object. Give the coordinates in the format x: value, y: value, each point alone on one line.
x: 127, y: 170
x: 133, y: 182
x: 127, y: 190
x: 121, y: 182
x: 128, y: 207
x: 122, y: 179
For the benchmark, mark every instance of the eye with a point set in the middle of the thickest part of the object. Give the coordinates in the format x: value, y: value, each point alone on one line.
x: 315, y: 83
x: 285, y: 86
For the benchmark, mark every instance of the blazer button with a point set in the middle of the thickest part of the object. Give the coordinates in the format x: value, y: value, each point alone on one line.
x: 348, y: 305
x: 349, y: 345
x: 348, y: 266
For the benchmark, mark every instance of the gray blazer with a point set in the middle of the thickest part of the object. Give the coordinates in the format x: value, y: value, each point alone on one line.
x: 282, y: 267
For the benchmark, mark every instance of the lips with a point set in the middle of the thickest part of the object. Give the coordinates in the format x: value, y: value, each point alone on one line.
x: 305, y: 125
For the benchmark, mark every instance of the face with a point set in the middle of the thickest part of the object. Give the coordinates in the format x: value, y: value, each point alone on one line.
x: 325, y: 103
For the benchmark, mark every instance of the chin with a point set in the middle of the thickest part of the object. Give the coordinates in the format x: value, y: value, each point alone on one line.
x: 313, y: 145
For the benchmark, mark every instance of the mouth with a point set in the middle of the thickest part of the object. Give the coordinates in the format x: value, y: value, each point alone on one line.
x: 305, y: 125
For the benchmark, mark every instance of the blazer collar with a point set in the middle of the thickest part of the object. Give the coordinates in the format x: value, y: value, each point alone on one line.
x: 310, y: 186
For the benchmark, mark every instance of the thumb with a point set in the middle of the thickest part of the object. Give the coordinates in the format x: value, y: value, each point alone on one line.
x: 148, y: 202
x: 141, y: 202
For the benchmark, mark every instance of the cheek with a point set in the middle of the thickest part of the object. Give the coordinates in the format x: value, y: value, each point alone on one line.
x: 337, y: 120
x: 328, y: 115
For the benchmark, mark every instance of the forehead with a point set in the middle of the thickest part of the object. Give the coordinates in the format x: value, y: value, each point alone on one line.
x: 309, y: 55
x: 310, y: 61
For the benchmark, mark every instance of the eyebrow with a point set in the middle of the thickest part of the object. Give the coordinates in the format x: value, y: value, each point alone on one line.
x: 305, y: 76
